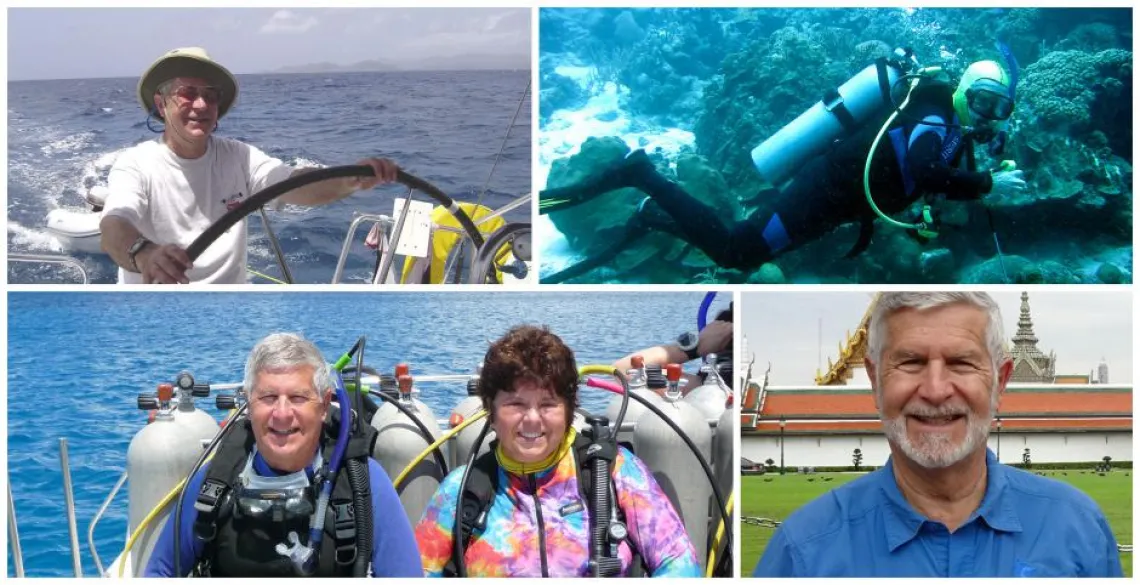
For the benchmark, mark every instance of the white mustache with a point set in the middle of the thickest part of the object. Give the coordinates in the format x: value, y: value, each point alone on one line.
x: 936, y: 412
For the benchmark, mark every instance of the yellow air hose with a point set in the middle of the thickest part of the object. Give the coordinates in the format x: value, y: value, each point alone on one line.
x: 599, y: 370
x: 921, y: 227
x: 423, y: 455
x: 719, y: 535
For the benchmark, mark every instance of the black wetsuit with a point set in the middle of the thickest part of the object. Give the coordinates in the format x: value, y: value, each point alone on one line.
x: 828, y: 190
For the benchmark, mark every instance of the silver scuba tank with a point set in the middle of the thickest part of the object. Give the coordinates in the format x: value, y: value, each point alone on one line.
x: 465, y: 440
x: 841, y: 112
x: 399, y: 441
x: 710, y: 397
x: 723, y: 439
x: 638, y: 384
x: 674, y: 466
x: 159, y: 456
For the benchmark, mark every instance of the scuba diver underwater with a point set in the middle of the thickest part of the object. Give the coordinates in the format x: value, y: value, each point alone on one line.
x: 895, y: 134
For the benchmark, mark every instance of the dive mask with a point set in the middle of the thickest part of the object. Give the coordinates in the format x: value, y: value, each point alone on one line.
x: 990, y: 100
x: 276, y: 504
x: 275, y: 498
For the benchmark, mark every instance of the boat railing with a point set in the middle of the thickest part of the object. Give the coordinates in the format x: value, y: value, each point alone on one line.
x: 69, y: 501
x: 99, y: 516
x: 50, y: 259
x: 14, y: 537
x: 390, y: 225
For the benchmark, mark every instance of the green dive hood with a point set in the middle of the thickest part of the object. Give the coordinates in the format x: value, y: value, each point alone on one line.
x: 974, y: 73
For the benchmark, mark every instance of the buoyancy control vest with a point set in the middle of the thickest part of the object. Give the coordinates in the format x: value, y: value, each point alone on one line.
x: 244, y: 547
x: 483, y: 483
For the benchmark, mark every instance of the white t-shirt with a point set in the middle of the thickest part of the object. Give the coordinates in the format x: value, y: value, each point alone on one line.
x: 172, y: 200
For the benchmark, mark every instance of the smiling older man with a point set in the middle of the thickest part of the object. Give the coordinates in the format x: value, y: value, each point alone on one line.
x: 943, y: 506
x: 251, y: 511
x: 164, y: 193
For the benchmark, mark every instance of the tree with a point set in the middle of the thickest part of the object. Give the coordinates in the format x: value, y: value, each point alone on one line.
x: 770, y: 464
x: 1025, y: 459
x: 857, y: 459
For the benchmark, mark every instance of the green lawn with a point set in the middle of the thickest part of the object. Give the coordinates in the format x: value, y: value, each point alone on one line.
x: 778, y: 498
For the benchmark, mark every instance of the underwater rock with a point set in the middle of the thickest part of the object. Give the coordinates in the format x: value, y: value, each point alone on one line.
x: 585, y: 226
x: 1109, y: 273
x: 990, y: 270
x: 1053, y: 272
x: 1063, y: 86
x: 1093, y: 36
x: 626, y: 28
x: 558, y: 92
x: 955, y: 213
x: 937, y: 265
x: 769, y: 273
x: 700, y: 180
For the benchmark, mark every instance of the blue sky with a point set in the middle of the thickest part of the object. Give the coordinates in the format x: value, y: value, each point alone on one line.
x: 65, y: 43
x: 1082, y: 327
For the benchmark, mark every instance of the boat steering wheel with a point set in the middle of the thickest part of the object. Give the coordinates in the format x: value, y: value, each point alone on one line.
x: 513, y: 238
x: 259, y: 199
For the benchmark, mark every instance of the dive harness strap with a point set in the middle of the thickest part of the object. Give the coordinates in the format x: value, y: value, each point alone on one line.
x: 214, y: 502
x: 833, y: 102
x: 483, y: 482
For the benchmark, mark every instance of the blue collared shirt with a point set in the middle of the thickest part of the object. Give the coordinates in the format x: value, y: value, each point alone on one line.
x: 1026, y: 526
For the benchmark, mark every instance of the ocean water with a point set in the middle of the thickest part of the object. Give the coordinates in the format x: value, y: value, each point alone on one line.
x: 445, y: 127
x: 716, y: 83
x: 77, y: 361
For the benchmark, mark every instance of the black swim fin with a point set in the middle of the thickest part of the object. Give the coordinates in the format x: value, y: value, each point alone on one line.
x: 866, y: 230
x: 619, y: 175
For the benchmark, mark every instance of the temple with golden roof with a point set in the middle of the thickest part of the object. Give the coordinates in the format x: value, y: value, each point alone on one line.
x: 1065, y: 417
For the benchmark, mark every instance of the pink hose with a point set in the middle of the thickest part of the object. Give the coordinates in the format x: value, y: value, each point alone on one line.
x: 604, y: 385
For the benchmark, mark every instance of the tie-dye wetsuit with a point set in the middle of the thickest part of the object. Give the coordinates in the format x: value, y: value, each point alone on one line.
x: 511, y: 545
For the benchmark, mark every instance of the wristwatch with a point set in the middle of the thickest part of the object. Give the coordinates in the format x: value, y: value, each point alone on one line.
x: 134, y: 250
x: 687, y: 341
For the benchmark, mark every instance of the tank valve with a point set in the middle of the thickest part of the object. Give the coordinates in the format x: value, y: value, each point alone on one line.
x: 147, y: 402
x: 225, y: 402
x: 673, y: 375
x: 405, y: 382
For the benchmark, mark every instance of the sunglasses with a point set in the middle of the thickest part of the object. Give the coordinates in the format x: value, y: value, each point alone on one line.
x: 190, y: 93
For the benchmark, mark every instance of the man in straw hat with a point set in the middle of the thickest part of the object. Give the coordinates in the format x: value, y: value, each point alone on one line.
x: 166, y: 192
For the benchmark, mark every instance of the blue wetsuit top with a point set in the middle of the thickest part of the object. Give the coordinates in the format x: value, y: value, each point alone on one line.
x: 394, y: 550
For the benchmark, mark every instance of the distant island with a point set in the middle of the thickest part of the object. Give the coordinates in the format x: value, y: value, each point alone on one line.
x: 473, y: 62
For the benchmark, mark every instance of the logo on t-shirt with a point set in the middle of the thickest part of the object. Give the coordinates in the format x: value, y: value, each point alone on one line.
x: 233, y: 201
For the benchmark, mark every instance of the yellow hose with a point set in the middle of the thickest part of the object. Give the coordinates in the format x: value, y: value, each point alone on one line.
x: 875, y: 145
x: 403, y: 474
x: 158, y: 510
x: 719, y: 535
x: 598, y: 369
x: 155, y: 513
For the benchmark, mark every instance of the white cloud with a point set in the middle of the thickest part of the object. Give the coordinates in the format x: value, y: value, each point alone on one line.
x: 286, y: 22
x: 494, y: 20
